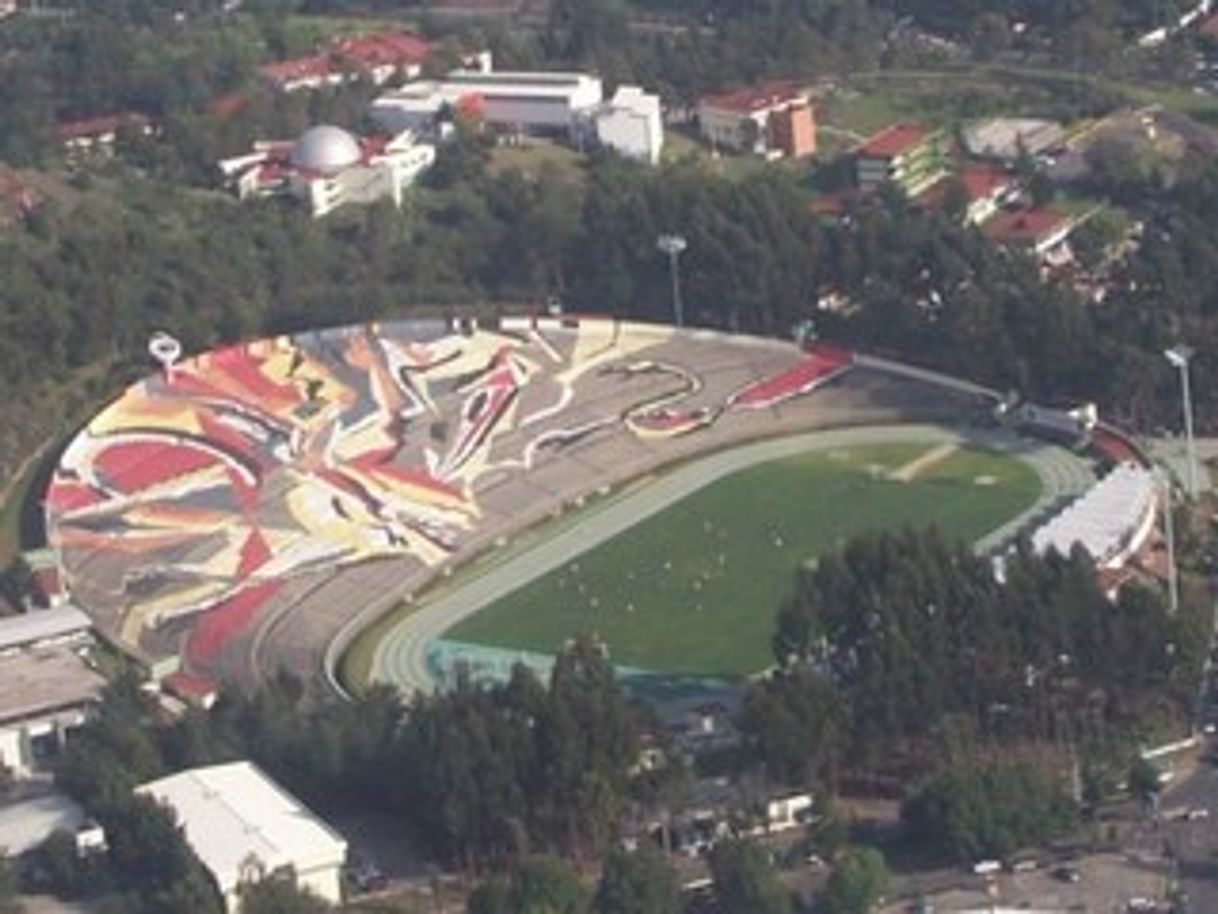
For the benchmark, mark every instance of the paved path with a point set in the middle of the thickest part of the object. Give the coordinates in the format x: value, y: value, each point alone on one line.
x: 401, y: 656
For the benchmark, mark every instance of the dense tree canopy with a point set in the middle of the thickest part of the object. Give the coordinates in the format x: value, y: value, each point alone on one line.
x: 912, y: 634
x: 971, y: 813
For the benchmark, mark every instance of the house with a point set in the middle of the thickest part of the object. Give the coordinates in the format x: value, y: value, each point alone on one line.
x: 631, y: 124
x: 788, y: 810
x: 94, y: 133
x: 775, y: 119
x: 1040, y: 230
x: 984, y: 189
x: 377, y: 57
x: 48, y: 689
x: 909, y: 156
x: 326, y: 167
x: 244, y: 827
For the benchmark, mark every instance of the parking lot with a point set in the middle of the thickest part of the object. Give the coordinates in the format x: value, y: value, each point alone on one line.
x: 1099, y: 883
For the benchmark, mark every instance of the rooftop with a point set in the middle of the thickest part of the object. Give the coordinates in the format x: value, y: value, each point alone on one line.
x: 979, y: 182
x: 89, y: 127
x: 381, y: 48
x: 1026, y: 225
x: 751, y: 99
x: 24, y: 629
x: 233, y: 811
x: 43, y: 680
x: 892, y: 141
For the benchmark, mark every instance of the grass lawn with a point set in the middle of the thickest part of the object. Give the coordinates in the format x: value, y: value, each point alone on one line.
x: 694, y: 588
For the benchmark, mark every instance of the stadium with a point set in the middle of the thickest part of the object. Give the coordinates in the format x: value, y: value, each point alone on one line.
x: 396, y: 501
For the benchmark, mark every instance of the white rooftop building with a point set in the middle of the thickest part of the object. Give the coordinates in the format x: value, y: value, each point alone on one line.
x: 524, y: 102
x: 244, y: 827
x: 327, y: 167
x: 631, y: 124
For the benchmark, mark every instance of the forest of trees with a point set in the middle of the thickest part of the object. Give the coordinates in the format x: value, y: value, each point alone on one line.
x: 903, y: 639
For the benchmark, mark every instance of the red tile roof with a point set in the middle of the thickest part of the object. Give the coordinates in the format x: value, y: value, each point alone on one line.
x: 751, y: 99
x: 285, y: 71
x: 1026, y: 225
x: 892, y: 141
x: 90, y: 127
x: 979, y: 182
x: 381, y: 48
x: 225, y: 106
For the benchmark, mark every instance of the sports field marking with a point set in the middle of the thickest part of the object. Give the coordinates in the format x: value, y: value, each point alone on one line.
x: 923, y: 462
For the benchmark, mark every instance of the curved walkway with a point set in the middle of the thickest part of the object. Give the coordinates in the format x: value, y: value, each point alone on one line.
x: 400, y: 658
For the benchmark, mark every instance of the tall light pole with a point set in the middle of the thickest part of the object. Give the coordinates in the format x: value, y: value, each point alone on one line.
x: 1179, y: 357
x: 673, y: 246
x: 1169, y: 530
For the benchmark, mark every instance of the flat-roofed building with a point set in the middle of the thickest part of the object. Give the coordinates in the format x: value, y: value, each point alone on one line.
x: 47, y: 691
x: 1009, y: 138
x: 631, y: 124
x: 244, y: 827
x: 522, y: 102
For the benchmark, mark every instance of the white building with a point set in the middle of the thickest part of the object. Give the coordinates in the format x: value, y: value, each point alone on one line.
x: 327, y: 168
x: 630, y: 123
x: 555, y: 103
x: 244, y: 827
x: 46, y: 690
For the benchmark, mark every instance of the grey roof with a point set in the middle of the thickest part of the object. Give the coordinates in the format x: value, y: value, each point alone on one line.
x: 326, y: 149
x: 41, y: 625
x: 44, y: 681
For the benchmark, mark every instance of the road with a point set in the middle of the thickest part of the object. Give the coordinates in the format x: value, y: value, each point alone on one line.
x: 401, y: 657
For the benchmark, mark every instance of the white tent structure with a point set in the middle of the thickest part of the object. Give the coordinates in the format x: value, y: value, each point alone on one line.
x: 244, y: 827
x: 1111, y: 520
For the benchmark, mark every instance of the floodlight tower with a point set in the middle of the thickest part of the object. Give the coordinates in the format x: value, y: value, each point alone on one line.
x: 674, y: 246
x: 1179, y: 357
x: 166, y: 350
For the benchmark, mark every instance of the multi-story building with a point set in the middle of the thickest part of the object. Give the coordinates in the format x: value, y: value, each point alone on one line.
x: 327, y: 167
x: 909, y: 156
x: 631, y: 123
x: 775, y: 119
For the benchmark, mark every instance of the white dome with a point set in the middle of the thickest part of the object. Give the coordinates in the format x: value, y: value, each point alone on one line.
x: 325, y: 149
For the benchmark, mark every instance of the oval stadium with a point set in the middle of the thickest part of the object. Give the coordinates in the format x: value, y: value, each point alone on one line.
x: 392, y: 502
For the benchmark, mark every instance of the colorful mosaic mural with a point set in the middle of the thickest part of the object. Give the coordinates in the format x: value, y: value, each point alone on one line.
x: 201, y: 491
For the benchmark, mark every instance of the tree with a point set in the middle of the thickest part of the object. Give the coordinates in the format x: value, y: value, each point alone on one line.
x: 1144, y: 780
x: 637, y: 883
x: 9, y: 903
x: 857, y: 883
x: 745, y: 880
x: 539, y: 885
x: 279, y: 894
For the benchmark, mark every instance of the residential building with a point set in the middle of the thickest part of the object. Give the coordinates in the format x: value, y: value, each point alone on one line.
x: 775, y: 119
x: 377, y: 57
x: 244, y: 827
x: 327, y: 167
x: 1041, y: 230
x: 100, y: 133
x: 983, y: 188
x: 48, y: 689
x: 910, y: 156
x: 631, y: 124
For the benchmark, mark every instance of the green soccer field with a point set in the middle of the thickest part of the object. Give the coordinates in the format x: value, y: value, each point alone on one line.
x: 694, y: 588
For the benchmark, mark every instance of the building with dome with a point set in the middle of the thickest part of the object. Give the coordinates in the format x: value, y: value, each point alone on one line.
x: 327, y: 167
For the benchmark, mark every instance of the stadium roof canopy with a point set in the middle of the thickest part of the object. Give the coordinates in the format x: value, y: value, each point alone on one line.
x: 1105, y: 518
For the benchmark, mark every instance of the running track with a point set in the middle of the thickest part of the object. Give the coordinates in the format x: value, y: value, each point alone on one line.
x: 401, y: 656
